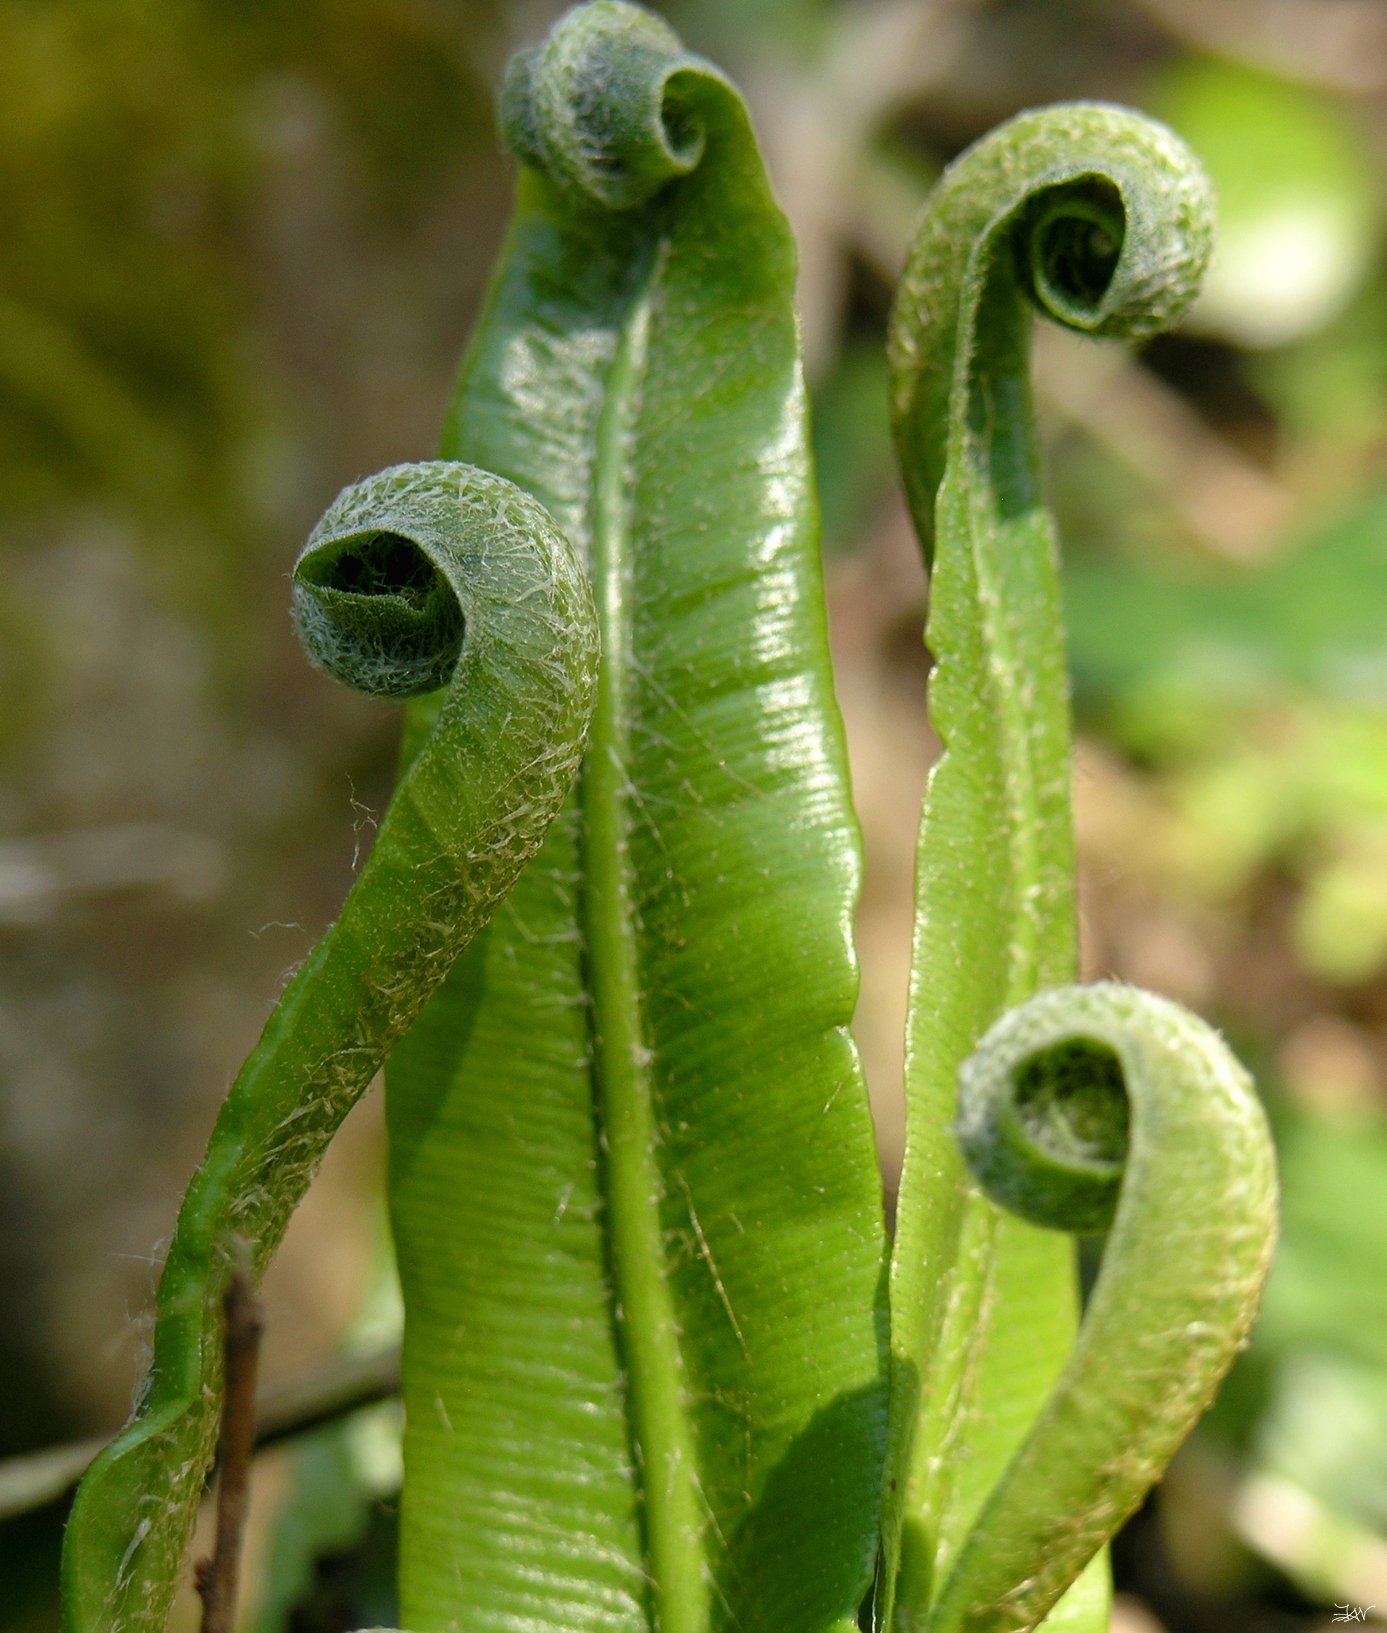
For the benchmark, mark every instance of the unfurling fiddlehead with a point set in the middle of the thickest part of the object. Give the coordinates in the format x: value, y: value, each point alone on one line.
x: 424, y: 575
x: 611, y: 107
x: 1085, y: 1107
x: 1101, y: 220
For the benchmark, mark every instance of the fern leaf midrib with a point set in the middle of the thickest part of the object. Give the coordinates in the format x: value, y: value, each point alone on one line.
x: 646, y: 1318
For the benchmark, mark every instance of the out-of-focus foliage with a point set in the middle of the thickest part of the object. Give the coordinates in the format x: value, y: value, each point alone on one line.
x: 1258, y: 698
x: 134, y: 140
x: 242, y: 245
x: 852, y: 446
x: 1299, y: 201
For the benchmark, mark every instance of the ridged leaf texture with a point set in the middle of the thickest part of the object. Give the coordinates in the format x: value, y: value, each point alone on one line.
x: 632, y: 1172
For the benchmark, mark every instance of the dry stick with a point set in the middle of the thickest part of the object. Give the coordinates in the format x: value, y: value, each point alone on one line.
x: 216, y: 1577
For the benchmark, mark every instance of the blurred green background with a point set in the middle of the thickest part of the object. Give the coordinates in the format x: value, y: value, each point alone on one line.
x: 243, y: 244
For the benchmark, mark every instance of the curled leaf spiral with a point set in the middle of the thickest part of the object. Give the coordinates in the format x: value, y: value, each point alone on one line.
x: 426, y: 575
x: 1093, y: 215
x: 1101, y: 220
x: 608, y: 107
x: 1093, y: 1106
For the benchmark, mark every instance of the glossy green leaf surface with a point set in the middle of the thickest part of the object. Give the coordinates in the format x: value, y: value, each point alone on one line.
x: 419, y: 569
x: 632, y: 1172
x: 1102, y: 220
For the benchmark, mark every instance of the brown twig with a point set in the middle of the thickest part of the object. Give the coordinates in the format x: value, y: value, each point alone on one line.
x: 216, y: 1577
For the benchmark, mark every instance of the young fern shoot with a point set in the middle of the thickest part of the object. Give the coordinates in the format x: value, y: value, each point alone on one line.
x: 1101, y: 220
x: 633, y: 1186
x: 423, y: 574
x: 1106, y: 1108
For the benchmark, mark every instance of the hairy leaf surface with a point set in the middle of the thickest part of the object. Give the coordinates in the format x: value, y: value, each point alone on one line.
x: 415, y: 572
x: 1101, y: 219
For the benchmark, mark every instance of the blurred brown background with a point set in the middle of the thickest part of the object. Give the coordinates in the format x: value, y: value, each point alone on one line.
x: 244, y: 242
